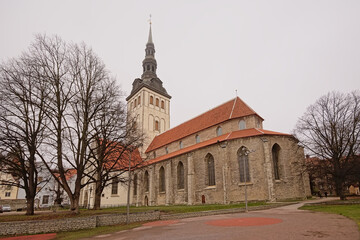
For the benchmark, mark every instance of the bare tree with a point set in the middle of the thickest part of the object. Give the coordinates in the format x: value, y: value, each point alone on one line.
x: 22, y: 124
x: 330, y: 130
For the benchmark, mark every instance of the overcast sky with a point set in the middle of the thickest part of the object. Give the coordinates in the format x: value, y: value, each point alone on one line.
x: 280, y: 56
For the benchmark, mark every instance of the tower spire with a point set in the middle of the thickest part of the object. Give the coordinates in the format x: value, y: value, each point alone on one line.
x: 149, y: 63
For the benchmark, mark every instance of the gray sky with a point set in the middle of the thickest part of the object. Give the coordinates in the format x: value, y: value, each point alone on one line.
x: 280, y: 55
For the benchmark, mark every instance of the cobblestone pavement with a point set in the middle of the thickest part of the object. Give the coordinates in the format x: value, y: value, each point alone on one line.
x: 292, y: 224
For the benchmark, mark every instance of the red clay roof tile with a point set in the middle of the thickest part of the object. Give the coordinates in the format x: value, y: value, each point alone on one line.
x: 234, y: 108
x: 229, y: 136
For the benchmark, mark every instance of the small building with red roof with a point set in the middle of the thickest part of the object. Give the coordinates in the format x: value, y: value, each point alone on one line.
x: 213, y: 158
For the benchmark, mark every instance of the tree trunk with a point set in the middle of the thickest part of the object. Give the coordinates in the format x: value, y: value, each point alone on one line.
x: 74, y: 205
x: 98, y: 191
x: 339, y: 188
x: 30, y: 206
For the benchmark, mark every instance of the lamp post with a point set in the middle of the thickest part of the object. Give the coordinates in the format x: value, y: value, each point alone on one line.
x: 128, y: 194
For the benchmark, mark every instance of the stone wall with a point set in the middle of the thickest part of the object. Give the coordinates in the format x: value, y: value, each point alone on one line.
x: 71, y: 224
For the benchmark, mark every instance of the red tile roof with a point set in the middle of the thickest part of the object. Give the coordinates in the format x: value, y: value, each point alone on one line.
x: 234, y: 108
x: 229, y: 136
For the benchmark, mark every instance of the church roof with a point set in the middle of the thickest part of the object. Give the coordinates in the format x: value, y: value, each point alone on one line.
x: 232, y: 109
x: 251, y: 132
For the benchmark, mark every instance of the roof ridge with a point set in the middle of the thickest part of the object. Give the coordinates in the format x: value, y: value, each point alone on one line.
x: 232, y: 110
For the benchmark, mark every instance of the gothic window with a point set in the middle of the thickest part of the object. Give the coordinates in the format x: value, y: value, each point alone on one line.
x: 243, y: 159
x: 151, y: 100
x: 162, y: 179
x: 146, y: 181
x: 197, y: 138
x: 157, y: 102
x: 181, y: 144
x: 180, y: 176
x: 219, y: 131
x: 162, y: 104
x: 45, y: 199
x: 135, y: 104
x: 114, y: 186
x: 139, y: 100
x: 157, y: 125
x: 275, y: 158
x: 135, y: 184
x: 210, y: 167
x: 242, y: 125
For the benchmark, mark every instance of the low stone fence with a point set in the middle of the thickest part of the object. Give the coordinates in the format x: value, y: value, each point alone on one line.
x: 77, y: 223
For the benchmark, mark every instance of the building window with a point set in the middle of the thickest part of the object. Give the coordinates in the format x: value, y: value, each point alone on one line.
x: 135, y: 103
x: 139, y: 100
x: 243, y: 158
x: 45, y: 199
x: 151, y: 100
x: 181, y: 144
x: 154, y: 154
x: 162, y: 104
x: 275, y: 158
x: 7, y: 194
x: 153, y: 68
x: 166, y: 150
x: 162, y: 179
x: 219, y: 131
x: 135, y: 184
x: 146, y: 181
x: 157, y: 125
x: 114, y: 186
x: 180, y: 176
x: 197, y: 138
x: 210, y: 167
x: 148, y: 67
x: 242, y: 125
x: 157, y: 102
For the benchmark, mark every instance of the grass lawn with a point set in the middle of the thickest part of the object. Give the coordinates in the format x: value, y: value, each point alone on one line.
x: 84, y: 212
x: 350, y: 211
x: 94, y: 231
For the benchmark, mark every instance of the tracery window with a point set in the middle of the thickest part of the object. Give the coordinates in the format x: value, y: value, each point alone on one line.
x: 180, y: 176
x: 162, y: 179
x: 243, y: 159
x: 146, y: 181
x: 275, y: 158
x: 210, y: 167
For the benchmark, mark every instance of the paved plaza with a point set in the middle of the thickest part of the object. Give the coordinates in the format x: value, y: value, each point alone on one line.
x: 281, y: 223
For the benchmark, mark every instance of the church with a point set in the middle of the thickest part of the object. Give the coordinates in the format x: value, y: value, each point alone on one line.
x: 221, y: 156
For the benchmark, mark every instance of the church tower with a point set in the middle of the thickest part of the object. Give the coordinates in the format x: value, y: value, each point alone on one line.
x: 148, y: 101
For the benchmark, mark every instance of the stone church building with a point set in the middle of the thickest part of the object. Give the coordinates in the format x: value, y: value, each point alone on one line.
x: 213, y: 157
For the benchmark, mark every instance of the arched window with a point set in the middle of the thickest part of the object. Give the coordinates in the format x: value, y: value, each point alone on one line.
x: 180, y: 176
x: 162, y: 104
x: 157, y: 102
x: 135, y: 103
x: 148, y: 67
x: 181, y: 145
x: 153, y: 68
x: 243, y: 159
x: 114, y: 186
x: 135, y: 184
x: 146, y: 181
x: 157, y: 125
x: 218, y: 131
x: 151, y: 100
x: 275, y: 158
x: 197, y: 138
x: 139, y: 100
x: 166, y: 150
x: 210, y: 167
x: 242, y: 125
x: 162, y: 179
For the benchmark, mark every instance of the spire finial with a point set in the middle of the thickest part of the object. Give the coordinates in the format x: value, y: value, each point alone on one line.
x: 150, y: 33
x: 236, y: 93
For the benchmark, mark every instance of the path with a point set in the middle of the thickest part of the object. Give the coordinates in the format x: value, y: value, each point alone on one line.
x: 281, y: 223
